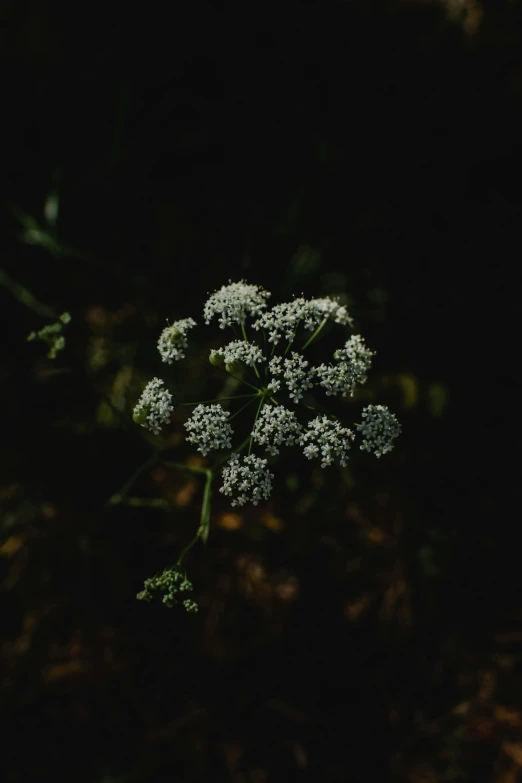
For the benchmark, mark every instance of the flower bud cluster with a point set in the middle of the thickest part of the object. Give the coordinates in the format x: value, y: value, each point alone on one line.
x: 234, y: 302
x: 154, y: 407
x: 379, y: 429
x: 173, y: 341
x: 171, y: 582
x: 294, y: 372
x: 246, y: 479
x: 208, y: 428
x: 327, y: 439
x: 276, y: 426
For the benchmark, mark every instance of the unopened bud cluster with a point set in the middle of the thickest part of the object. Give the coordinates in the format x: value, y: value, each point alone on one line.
x: 172, y: 585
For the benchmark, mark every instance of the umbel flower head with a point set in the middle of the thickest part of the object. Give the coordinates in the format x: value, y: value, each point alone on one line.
x: 236, y: 353
x: 284, y: 319
x: 275, y: 427
x: 172, y: 583
x: 234, y: 302
x: 154, y: 407
x: 173, y: 341
x: 294, y: 372
x: 379, y: 429
x: 267, y: 372
x: 246, y: 479
x: 208, y: 428
x: 327, y: 439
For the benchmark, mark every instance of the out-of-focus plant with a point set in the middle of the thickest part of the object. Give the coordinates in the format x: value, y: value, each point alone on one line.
x: 52, y: 334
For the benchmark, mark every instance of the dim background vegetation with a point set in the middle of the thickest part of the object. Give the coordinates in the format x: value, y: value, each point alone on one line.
x: 365, y: 624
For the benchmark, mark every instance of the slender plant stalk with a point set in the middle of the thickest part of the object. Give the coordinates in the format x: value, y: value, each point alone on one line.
x: 314, y: 335
x: 119, y: 497
x: 261, y: 401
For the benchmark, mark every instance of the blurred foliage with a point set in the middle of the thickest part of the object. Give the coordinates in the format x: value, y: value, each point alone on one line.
x: 365, y: 624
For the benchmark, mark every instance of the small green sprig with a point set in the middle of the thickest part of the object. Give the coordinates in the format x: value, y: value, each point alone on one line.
x: 52, y: 334
x: 173, y: 584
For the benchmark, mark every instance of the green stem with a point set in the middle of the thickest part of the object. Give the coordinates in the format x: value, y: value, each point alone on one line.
x: 237, y: 378
x: 204, y: 524
x: 246, y: 340
x: 243, y: 407
x: 187, y: 468
x: 120, y: 496
x: 314, y: 335
x: 25, y: 297
x: 261, y: 401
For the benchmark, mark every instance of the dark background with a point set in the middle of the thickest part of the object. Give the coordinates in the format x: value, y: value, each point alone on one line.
x: 366, y: 624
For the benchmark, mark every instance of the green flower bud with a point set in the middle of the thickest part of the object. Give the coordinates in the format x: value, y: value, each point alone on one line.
x: 234, y: 367
x: 216, y: 358
x: 140, y: 415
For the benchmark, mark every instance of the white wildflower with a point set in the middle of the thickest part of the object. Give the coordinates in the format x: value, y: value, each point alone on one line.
x: 154, y: 406
x: 379, y: 429
x: 327, y: 439
x: 337, y: 379
x: 295, y: 374
x: 356, y: 353
x: 234, y: 302
x: 274, y: 386
x: 282, y: 319
x: 238, y: 351
x: 173, y: 340
x: 276, y: 426
x: 209, y: 429
x: 246, y: 479
x: 326, y: 307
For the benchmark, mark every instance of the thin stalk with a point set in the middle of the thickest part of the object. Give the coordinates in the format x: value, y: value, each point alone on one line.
x: 204, y: 523
x: 243, y: 407
x: 261, y: 401
x: 314, y: 335
x: 179, y: 466
x: 120, y: 496
x: 246, y: 340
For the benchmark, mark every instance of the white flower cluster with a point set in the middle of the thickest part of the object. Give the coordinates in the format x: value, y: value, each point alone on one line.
x: 284, y: 319
x: 238, y: 351
x: 208, y: 428
x: 276, y: 426
x: 233, y: 302
x: 379, y: 429
x: 319, y: 309
x: 154, y: 407
x: 355, y: 351
x: 246, y: 479
x: 327, y: 439
x: 336, y: 378
x: 294, y: 372
x: 173, y: 340
x: 354, y: 361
